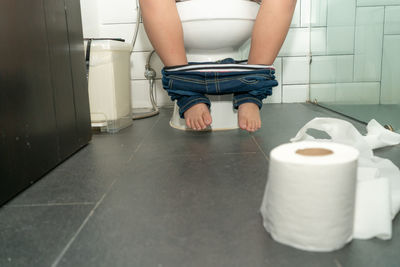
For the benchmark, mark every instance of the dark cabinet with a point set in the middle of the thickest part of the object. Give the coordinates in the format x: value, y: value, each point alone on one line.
x: 44, y: 106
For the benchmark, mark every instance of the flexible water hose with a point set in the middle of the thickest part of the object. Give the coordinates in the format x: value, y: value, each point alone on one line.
x: 150, y: 74
x: 136, y: 32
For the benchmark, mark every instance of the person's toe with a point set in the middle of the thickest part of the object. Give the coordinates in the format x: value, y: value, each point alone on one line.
x: 188, y: 123
x: 207, y: 118
x: 248, y: 128
x: 198, y: 125
x: 201, y: 123
x: 242, y: 124
x: 192, y: 124
x: 253, y: 126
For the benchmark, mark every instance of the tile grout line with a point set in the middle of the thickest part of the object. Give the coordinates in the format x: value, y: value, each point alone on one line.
x: 144, y: 138
x: 337, y: 262
x: 49, y: 204
x: 235, y: 153
x: 58, y: 259
x: 259, y: 147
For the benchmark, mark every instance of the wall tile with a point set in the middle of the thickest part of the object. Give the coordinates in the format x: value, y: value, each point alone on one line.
x: 140, y: 94
x: 323, y: 92
x: 296, y: 70
x: 344, y: 68
x: 357, y: 93
x: 90, y: 18
x: 341, y: 12
x: 276, y: 91
x: 331, y: 69
x: 295, y: 93
x: 162, y: 98
x: 318, y: 41
x: 117, y: 11
x: 340, y: 23
x: 125, y: 31
x: 392, y: 19
x: 297, y: 43
x: 390, y: 88
x: 296, y: 16
x: 276, y: 96
x: 377, y: 2
x: 340, y: 40
x: 305, y: 12
x: 318, y: 10
x: 368, y: 44
x: 138, y: 63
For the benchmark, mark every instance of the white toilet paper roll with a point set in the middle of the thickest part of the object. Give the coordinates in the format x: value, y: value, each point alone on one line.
x: 310, y: 195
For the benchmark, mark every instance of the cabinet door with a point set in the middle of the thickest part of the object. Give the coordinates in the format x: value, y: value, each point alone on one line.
x: 81, y: 95
x: 28, y: 131
x: 61, y: 76
x: 44, y: 103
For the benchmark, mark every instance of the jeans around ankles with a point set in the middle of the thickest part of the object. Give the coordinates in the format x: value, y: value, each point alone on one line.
x: 188, y: 84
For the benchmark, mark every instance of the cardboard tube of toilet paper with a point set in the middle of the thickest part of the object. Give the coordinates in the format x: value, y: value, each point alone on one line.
x: 310, y: 195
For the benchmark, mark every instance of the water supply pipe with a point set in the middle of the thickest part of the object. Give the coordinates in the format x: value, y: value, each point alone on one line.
x: 149, y: 73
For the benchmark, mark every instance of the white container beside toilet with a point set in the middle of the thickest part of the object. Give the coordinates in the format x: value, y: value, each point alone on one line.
x: 214, y: 30
x: 109, y: 85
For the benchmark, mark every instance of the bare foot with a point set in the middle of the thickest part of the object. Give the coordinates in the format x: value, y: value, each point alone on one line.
x: 249, y: 117
x: 198, y: 117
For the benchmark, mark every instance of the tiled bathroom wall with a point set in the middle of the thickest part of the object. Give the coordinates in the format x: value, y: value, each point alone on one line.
x: 354, y: 45
x: 360, y: 60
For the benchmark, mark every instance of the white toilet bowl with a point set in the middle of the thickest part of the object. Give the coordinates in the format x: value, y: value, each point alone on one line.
x: 214, y: 30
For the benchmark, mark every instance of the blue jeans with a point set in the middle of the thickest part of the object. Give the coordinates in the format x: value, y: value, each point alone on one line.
x: 189, y: 84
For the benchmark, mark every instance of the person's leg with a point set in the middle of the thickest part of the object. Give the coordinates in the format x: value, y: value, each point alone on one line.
x: 164, y: 29
x: 270, y: 30
x: 269, y: 33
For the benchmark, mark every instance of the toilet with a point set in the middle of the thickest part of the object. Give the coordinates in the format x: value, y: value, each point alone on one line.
x: 214, y: 30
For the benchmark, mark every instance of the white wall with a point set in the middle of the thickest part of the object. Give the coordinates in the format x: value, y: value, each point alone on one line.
x: 90, y: 18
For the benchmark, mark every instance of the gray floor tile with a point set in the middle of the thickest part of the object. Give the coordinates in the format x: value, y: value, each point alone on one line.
x: 123, y: 143
x: 166, y: 140
x: 188, y: 211
x: 281, y: 122
x: 85, y: 176
x: 373, y: 252
x: 180, y: 199
x: 199, y: 211
x: 392, y: 153
x: 35, y: 236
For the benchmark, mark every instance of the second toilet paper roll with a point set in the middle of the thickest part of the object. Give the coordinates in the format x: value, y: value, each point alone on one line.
x: 310, y: 195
